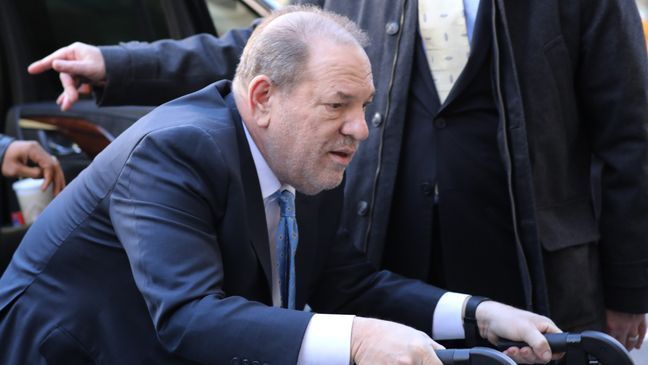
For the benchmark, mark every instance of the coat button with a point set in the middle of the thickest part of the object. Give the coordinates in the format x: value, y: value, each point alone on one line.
x: 377, y: 119
x: 363, y: 208
x: 235, y: 361
x: 440, y: 123
x: 256, y: 362
x: 391, y: 28
x: 245, y: 362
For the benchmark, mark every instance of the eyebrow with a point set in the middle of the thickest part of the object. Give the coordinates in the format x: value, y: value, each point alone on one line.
x: 345, y: 96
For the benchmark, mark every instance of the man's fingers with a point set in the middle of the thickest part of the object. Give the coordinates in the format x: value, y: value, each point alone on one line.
x: 26, y: 171
x: 74, y: 67
x: 85, y: 88
x: 539, y: 344
x: 48, y: 177
x: 430, y: 359
x: 45, y: 64
x: 437, y: 346
x: 59, y: 178
x: 70, y: 92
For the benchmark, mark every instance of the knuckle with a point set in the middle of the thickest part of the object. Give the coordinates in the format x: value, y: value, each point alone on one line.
x: 404, y: 359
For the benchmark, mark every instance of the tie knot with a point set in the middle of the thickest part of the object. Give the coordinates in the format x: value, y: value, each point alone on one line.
x: 287, y: 203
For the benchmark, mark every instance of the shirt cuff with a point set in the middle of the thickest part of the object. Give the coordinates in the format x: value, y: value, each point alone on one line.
x: 327, y: 340
x: 447, y: 322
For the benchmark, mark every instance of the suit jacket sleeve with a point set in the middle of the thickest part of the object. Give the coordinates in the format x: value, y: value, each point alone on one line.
x: 141, y: 73
x: 4, y: 144
x: 349, y: 283
x: 164, y: 208
x: 613, y: 87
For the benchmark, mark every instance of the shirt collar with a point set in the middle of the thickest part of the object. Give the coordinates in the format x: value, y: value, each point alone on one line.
x: 268, y: 181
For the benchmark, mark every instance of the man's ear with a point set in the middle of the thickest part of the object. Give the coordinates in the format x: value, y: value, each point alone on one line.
x: 259, y: 93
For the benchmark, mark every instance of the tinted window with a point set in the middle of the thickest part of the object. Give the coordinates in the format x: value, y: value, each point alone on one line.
x: 105, y: 22
x: 56, y: 23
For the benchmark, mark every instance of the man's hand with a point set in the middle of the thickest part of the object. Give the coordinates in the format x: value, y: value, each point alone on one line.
x: 14, y: 164
x: 377, y: 342
x: 497, y: 320
x: 627, y: 328
x: 80, y: 66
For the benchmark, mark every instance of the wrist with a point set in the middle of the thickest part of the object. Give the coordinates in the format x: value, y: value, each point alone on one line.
x: 470, y: 319
x: 358, y: 328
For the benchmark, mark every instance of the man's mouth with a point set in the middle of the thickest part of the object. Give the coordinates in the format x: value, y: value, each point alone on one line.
x: 342, y: 155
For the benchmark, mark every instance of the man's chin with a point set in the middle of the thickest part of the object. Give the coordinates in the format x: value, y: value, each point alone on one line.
x: 315, y: 188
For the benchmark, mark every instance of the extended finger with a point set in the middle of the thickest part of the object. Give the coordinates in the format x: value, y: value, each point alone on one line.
x: 45, y: 64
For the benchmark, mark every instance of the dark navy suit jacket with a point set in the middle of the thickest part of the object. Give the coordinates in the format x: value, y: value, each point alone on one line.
x: 158, y: 253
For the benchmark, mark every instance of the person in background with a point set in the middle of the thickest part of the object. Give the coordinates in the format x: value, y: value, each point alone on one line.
x: 476, y: 175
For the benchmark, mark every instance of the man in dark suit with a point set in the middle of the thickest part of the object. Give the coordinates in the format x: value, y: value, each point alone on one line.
x: 160, y: 251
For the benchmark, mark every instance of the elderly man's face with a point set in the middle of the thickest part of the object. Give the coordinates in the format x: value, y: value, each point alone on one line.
x: 317, y: 125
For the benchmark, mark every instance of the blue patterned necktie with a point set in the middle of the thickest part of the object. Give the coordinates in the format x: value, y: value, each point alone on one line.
x: 287, y: 238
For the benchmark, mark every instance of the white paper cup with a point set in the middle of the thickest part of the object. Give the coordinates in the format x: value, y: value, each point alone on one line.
x: 31, y: 199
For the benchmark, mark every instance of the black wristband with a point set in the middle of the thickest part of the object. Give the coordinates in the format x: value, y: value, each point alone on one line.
x: 470, y: 320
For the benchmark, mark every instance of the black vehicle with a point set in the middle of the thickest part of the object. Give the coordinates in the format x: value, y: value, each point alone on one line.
x: 32, y: 29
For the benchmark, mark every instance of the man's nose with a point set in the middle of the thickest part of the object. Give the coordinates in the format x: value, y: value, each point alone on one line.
x: 356, y: 126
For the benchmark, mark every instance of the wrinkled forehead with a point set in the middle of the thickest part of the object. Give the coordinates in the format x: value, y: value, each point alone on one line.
x: 338, y: 62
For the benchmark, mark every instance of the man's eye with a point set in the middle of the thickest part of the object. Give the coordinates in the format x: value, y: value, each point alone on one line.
x: 335, y: 106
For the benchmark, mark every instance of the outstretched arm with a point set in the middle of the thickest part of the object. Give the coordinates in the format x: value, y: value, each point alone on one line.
x: 143, y: 73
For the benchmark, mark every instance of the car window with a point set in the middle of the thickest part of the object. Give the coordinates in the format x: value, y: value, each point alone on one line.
x: 229, y: 14
x: 61, y: 22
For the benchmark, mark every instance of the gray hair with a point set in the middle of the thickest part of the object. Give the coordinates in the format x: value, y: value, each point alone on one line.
x: 280, y: 50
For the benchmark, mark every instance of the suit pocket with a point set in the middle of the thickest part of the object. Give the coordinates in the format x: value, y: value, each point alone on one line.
x: 62, y: 348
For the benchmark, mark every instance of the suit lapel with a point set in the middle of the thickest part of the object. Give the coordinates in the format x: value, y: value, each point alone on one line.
x: 255, y: 210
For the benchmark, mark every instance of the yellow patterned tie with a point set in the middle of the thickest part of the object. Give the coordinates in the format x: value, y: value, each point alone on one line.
x: 443, y: 28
